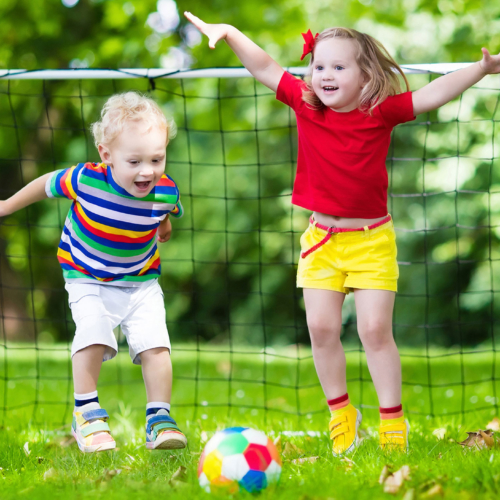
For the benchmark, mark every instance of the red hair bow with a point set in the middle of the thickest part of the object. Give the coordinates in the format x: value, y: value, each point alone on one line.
x: 309, y: 45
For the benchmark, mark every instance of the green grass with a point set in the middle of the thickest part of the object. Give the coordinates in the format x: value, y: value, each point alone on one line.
x: 42, y: 377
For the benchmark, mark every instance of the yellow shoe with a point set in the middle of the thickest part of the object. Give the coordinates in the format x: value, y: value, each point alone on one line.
x: 344, y: 429
x: 394, y: 434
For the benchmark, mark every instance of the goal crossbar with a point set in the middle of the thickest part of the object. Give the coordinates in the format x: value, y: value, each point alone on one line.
x: 129, y: 73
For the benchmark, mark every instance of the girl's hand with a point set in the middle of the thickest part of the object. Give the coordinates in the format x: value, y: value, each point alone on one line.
x: 164, y: 230
x: 262, y: 66
x: 489, y: 64
x: 214, y: 32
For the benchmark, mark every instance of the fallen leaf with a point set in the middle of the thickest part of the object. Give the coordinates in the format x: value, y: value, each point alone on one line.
x: 179, y: 477
x: 50, y: 473
x: 384, y: 474
x: 26, y: 448
x: 479, y: 440
x: 291, y: 449
x: 278, y: 444
x: 439, y: 433
x: 436, y: 490
x: 110, y: 473
x: 130, y: 457
x: 349, y: 464
x: 180, y: 474
x: 488, y: 438
x: 494, y: 425
x: 204, y: 436
x: 410, y: 494
x: 40, y: 459
x: 440, y: 456
x: 304, y: 460
x: 394, y: 482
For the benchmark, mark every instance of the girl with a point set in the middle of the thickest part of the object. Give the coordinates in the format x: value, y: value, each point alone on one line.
x: 345, y: 114
x: 111, y: 264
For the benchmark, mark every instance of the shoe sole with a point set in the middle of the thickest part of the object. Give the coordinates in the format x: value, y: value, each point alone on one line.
x: 168, y: 442
x: 355, y: 443
x: 95, y: 448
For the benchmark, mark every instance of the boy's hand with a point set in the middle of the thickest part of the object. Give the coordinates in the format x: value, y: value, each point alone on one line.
x: 4, y: 209
x: 214, y: 32
x: 164, y: 230
x: 489, y: 64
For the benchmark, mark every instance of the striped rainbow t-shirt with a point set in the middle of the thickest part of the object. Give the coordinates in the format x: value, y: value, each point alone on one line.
x: 109, y: 235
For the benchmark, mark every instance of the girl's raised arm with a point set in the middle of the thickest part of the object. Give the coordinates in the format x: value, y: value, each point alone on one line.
x: 447, y: 87
x: 262, y: 66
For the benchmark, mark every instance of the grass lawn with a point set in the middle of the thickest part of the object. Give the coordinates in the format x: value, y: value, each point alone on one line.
x: 214, y: 389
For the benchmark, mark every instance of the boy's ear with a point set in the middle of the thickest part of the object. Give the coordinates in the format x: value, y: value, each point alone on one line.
x: 104, y: 153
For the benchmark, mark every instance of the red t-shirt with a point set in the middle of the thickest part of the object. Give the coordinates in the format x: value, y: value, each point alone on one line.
x: 341, y: 160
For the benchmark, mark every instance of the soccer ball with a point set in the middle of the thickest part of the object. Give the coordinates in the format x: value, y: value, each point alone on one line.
x: 239, y: 457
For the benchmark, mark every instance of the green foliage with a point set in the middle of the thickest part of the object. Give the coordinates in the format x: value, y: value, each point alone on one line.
x: 229, y: 270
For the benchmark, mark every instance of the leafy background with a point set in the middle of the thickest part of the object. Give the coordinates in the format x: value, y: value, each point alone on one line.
x: 229, y: 271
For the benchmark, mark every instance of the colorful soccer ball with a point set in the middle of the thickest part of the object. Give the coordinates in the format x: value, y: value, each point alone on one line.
x: 239, y: 457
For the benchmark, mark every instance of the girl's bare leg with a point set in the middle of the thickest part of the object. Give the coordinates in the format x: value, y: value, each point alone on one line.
x: 374, y: 310
x: 324, y: 320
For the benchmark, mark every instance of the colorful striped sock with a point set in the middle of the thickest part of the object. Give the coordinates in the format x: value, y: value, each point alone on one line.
x: 391, y: 415
x: 338, y: 403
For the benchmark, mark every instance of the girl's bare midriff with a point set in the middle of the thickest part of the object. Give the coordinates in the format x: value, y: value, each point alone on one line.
x: 343, y: 222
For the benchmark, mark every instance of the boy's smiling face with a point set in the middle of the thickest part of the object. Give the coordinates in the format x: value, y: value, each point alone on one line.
x: 137, y: 157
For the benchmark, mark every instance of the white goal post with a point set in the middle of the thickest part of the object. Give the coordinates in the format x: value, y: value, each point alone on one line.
x: 128, y: 73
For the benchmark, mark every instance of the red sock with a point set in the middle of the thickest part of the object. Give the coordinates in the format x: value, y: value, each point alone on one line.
x: 391, y: 413
x: 338, y: 403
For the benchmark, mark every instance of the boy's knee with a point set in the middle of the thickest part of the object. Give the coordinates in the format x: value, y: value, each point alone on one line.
x: 154, y: 353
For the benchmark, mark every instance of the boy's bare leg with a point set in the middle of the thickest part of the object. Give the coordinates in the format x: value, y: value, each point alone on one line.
x: 86, y: 368
x: 374, y: 311
x: 87, y: 365
x: 324, y: 320
x: 157, y: 373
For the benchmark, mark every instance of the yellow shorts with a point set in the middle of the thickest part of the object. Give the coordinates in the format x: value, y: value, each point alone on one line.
x: 363, y: 259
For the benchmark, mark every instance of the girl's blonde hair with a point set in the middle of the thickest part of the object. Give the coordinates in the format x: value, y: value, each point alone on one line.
x: 380, y: 69
x: 129, y: 106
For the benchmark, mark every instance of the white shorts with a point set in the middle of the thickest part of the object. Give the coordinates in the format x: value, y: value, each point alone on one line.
x: 98, y: 309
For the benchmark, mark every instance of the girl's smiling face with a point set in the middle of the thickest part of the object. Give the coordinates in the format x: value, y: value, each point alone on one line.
x: 336, y: 77
x: 137, y: 157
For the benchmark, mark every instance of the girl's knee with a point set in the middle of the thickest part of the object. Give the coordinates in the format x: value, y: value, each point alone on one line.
x: 376, y: 335
x: 322, y: 332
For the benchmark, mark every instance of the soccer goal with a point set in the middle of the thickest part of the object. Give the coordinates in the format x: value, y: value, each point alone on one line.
x: 236, y: 320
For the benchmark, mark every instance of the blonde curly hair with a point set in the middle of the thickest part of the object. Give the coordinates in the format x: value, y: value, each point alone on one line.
x: 380, y: 69
x: 129, y: 106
